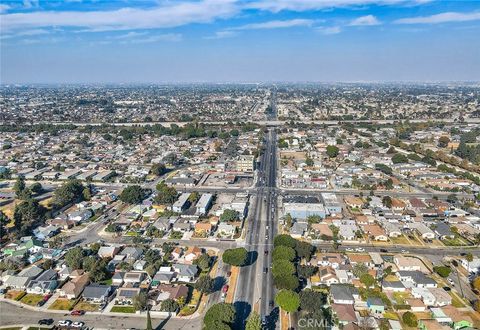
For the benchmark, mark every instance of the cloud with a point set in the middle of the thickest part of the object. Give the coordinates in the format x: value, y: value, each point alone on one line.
x: 27, y: 33
x: 304, y: 5
x: 222, y: 35
x: 30, y: 3
x: 172, y: 37
x: 130, y: 35
x: 276, y: 24
x: 4, y: 8
x: 170, y: 14
x: 329, y: 30
x: 440, y: 18
x: 368, y: 20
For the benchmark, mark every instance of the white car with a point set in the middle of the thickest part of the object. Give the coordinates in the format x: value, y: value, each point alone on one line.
x: 64, y: 323
x: 78, y: 324
x: 349, y: 249
x: 360, y: 249
x: 405, y: 251
x: 451, y: 281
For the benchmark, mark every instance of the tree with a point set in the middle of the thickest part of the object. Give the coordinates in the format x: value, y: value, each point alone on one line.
x: 309, y: 161
x: 311, y: 301
x: 140, y: 301
x: 132, y: 195
x: 282, y: 267
x: 203, y: 262
x: 87, y: 193
x: 3, y: 224
x: 288, y: 300
x: 304, y: 250
x: 443, y: 271
x: 360, y: 269
x: 158, y: 169
x: 36, y: 188
x: 367, y: 280
x: 194, y: 196
x: 332, y: 151
x: 169, y: 305
x: 70, y: 192
x: 410, y: 319
x: 254, y: 322
x: 387, y: 201
x: 205, y: 284
x: 288, y: 282
x: 469, y: 258
x: 306, y: 271
x: 219, y: 316
x: 19, y: 187
x: 74, y: 257
x: 283, y: 252
x: 99, y: 271
x: 399, y: 158
x: 229, y: 216
x: 285, y: 240
x: 149, y: 321
x: 443, y: 141
x: 165, y: 194
x: 26, y: 215
x: 235, y: 257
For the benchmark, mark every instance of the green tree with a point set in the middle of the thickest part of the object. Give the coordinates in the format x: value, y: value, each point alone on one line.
x: 309, y: 161
x: 19, y: 187
x: 304, y: 250
x: 332, y: 151
x: 306, y: 271
x: 165, y: 194
x: 282, y: 267
x: 169, y: 305
x: 194, y: 196
x: 254, y: 322
x: 410, y: 319
x: 36, y: 188
x: 203, y: 262
x: 140, y: 301
x: 311, y: 301
x: 283, y: 252
x: 288, y: 282
x: 158, y: 169
x: 443, y: 141
x: 74, y: 257
x: 69, y: 192
x: 132, y: 194
x: 288, y: 300
x: 205, y: 284
x: 399, y: 158
x: 387, y: 201
x: 26, y: 215
x: 235, y: 257
x: 219, y: 316
x: 229, y: 216
x: 359, y: 269
x: 285, y: 240
x: 367, y: 280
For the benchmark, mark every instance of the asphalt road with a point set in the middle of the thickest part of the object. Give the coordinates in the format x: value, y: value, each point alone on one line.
x: 10, y: 315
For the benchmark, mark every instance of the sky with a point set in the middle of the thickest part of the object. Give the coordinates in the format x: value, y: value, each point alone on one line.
x: 159, y: 41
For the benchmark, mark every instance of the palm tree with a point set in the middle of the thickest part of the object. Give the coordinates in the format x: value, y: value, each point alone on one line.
x: 469, y: 258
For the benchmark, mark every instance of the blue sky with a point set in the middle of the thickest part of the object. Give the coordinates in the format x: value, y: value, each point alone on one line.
x: 130, y: 41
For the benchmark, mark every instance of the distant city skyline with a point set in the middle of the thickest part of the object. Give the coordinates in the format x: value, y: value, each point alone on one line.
x: 161, y: 41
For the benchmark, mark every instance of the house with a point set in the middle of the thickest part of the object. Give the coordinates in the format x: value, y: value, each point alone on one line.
x: 443, y: 231
x: 298, y: 229
x: 134, y: 278
x: 395, y: 286
x: 192, y: 253
x: 416, y: 305
x: 395, y: 325
x: 132, y: 253
x: 342, y: 276
x: 139, y: 265
x: 162, y: 224
x: 375, y: 305
x: 343, y: 294
x: 327, y: 276
x: 459, y: 319
x: 439, y: 315
x: 376, y: 232
x: 416, y: 279
x: 203, y: 229
x: 423, y: 230
x: 409, y: 263
x: 23, y: 278
x: 353, y: 202
x: 182, y: 203
x: 361, y: 259
x: 333, y: 260
x: 108, y: 251
x: 425, y: 295
x: 204, y: 204
x: 322, y: 230
x: 226, y: 229
x: 46, y: 282
x: 74, y: 287
x: 185, y: 273
x: 427, y: 324
x: 117, y: 278
x: 302, y: 211
x: 80, y: 215
x: 44, y: 232
x: 177, y: 253
x: 126, y: 295
x: 164, y: 275
x: 442, y: 298
x: 175, y: 292
x: 391, y: 229
x: 344, y: 313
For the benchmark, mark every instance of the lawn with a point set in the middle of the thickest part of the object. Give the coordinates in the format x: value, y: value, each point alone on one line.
x: 86, y: 306
x: 176, y: 235
x: 400, y: 240
x: 456, y: 302
x: 390, y: 315
x: 14, y: 295
x: 62, y: 304
x: 400, y: 297
x: 123, y: 309
x: 31, y: 299
x: 457, y: 241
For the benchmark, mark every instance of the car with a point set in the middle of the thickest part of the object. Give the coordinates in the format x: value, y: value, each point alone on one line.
x: 47, y: 296
x: 77, y: 312
x: 265, y: 270
x: 404, y: 251
x: 266, y: 236
x: 384, y: 250
x: 229, y: 273
x: 266, y: 252
x: 271, y: 303
x: 41, y: 303
x: 225, y: 288
x: 64, y: 323
x: 45, y: 321
x: 349, y: 249
x: 451, y: 281
x: 78, y: 324
x: 360, y: 249
x: 447, y: 288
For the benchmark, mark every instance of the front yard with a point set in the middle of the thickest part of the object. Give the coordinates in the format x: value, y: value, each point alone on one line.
x: 62, y: 304
x: 31, y: 299
x: 123, y: 309
x: 86, y: 306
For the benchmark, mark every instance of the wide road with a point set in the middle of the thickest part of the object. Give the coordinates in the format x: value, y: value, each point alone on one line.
x: 12, y: 314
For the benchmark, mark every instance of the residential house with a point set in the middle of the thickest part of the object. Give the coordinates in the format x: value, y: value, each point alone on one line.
x: 343, y: 294
x: 108, y: 251
x: 443, y: 231
x: 186, y: 273
x: 74, y: 287
x: 203, y: 229
x: 126, y: 295
x: 46, y: 282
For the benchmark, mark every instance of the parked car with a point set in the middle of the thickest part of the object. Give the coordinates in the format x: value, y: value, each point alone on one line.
x: 450, y: 281
x: 77, y: 312
x: 360, y: 249
x: 384, y: 250
x: 78, y: 324
x: 64, y: 323
x: 45, y: 321
x: 349, y: 249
